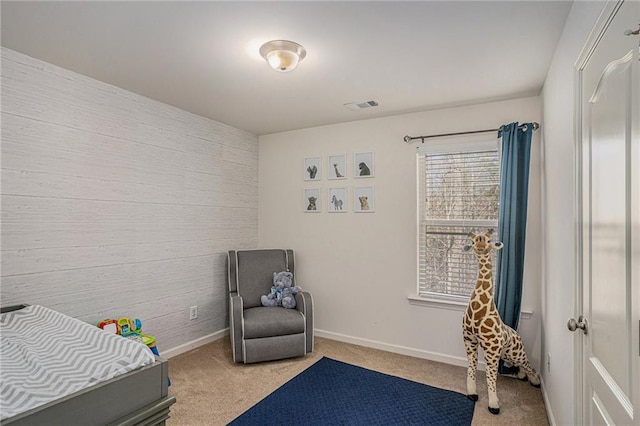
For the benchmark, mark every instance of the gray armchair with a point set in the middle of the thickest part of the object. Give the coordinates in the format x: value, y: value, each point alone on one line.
x: 261, y: 333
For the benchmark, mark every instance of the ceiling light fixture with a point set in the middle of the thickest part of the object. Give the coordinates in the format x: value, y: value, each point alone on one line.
x: 282, y: 55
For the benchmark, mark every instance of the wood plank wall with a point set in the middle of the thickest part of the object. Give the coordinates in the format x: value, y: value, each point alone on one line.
x: 117, y: 205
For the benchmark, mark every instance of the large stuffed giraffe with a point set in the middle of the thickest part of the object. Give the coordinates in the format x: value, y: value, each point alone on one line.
x: 482, y: 325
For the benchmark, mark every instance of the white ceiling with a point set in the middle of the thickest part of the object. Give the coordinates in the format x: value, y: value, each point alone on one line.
x: 203, y: 56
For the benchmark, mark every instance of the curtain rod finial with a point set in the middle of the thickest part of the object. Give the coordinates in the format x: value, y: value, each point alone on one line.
x: 407, y: 139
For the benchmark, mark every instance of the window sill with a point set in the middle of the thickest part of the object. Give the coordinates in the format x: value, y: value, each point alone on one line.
x: 452, y: 305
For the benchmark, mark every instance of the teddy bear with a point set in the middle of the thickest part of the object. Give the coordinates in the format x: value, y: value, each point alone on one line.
x: 282, y: 292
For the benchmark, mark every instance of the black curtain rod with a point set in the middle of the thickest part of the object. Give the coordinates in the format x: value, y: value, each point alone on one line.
x: 409, y: 139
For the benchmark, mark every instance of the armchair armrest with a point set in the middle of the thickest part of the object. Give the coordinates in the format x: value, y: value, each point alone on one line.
x: 235, y: 326
x: 304, y: 304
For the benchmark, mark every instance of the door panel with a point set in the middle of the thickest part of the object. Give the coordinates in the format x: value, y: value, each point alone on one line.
x: 599, y: 413
x: 609, y: 248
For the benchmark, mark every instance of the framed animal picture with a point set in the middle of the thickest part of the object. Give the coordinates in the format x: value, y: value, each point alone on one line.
x: 337, y: 200
x: 312, y: 168
x: 363, y: 166
x: 337, y: 167
x: 363, y: 199
x: 311, y: 202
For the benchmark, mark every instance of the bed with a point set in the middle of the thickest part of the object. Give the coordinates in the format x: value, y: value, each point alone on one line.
x: 58, y: 370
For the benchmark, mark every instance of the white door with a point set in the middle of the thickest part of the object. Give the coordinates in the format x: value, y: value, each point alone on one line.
x: 609, y: 81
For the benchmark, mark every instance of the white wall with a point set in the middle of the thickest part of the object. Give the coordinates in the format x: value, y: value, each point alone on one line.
x: 361, y: 267
x: 116, y: 205
x: 558, y: 212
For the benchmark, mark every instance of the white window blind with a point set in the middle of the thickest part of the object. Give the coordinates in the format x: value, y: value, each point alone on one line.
x: 458, y: 192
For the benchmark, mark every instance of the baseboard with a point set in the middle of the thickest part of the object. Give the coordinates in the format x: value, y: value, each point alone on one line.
x: 547, y: 405
x: 402, y: 350
x: 170, y: 353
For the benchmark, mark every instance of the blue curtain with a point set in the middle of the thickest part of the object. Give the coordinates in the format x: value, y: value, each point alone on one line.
x: 512, y: 219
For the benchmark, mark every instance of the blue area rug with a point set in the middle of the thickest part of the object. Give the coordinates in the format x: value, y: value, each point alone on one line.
x: 332, y: 392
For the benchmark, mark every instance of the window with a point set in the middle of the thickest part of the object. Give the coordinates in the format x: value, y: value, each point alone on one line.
x: 458, y: 192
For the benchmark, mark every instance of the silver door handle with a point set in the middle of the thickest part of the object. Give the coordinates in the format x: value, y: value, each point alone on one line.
x: 581, y: 324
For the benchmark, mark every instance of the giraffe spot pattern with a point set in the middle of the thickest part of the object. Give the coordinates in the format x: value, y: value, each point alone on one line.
x: 480, y: 314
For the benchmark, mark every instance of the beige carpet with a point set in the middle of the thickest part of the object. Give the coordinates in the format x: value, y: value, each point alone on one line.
x: 212, y: 390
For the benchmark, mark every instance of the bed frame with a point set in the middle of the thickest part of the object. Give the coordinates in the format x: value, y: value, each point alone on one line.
x: 139, y: 397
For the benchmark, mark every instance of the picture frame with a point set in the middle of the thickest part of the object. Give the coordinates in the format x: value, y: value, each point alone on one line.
x: 364, y: 199
x: 312, y: 169
x: 363, y: 165
x: 337, y: 200
x: 337, y: 167
x: 311, y: 200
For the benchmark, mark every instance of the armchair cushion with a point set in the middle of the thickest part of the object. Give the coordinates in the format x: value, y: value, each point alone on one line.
x: 254, y: 273
x: 272, y: 321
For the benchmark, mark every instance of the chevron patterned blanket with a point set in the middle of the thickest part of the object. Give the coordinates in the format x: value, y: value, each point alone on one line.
x: 45, y: 355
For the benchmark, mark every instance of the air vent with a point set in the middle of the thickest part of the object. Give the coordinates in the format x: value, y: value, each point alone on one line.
x: 355, y: 106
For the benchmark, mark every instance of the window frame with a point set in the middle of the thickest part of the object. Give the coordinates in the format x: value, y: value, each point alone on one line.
x: 469, y: 145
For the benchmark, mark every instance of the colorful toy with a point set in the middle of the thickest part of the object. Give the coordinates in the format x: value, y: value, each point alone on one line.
x: 136, y: 325
x: 131, y: 328
x: 125, y: 327
x: 110, y: 325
